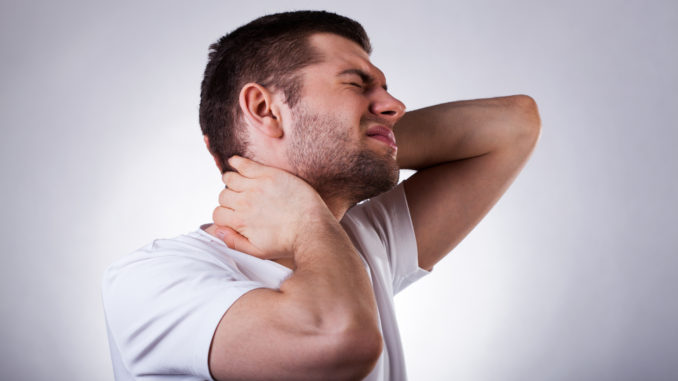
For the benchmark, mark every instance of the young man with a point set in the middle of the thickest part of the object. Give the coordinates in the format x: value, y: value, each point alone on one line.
x: 303, y: 128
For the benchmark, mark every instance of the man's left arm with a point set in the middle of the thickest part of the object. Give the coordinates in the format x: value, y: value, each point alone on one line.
x: 466, y: 155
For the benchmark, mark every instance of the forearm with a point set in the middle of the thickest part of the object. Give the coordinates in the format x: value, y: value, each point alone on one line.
x: 463, y: 129
x: 321, y: 323
x: 328, y: 301
x: 330, y: 283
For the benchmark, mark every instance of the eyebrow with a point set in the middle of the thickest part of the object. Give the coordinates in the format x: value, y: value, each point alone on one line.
x: 366, y: 78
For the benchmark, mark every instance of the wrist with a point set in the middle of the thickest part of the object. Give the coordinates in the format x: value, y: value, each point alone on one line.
x: 321, y: 236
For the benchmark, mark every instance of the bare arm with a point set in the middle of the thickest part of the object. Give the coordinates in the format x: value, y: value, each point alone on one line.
x: 322, y: 323
x: 467, y: 153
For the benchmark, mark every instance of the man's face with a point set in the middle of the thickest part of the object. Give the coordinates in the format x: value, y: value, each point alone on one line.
x: 341, y: 140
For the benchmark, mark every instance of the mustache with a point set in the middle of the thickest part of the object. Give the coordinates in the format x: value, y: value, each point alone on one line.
x: 374, y: 119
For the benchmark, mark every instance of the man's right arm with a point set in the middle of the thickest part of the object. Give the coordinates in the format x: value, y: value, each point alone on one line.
x: 322, y: 323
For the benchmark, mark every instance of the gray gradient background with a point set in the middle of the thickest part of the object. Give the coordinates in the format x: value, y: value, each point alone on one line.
x: 572, y: 276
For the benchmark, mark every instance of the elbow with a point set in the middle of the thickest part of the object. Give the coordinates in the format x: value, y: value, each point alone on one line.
x: 527, y: 112
x: 361, y: 349
x: 367, y: 345
x: 353, y: 353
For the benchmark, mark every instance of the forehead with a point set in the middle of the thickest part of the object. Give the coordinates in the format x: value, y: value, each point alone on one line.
x: 339, y: 54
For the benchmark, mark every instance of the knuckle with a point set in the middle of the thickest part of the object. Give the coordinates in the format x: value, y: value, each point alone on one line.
x: 245, y: 169
x: 269, y: 180
x: 243, y: 203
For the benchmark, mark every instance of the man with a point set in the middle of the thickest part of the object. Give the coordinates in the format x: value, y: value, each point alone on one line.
x: 303, y: 128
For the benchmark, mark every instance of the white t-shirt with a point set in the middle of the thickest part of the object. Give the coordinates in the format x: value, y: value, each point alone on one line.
x: 163, y: 302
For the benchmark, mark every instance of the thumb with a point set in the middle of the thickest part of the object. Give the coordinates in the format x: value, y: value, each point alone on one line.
x: 237, y: 241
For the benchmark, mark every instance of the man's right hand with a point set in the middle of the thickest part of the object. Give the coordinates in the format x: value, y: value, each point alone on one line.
x: 322, y: 322
x: 267, y: 212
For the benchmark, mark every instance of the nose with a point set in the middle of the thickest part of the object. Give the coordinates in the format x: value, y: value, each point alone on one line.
x: 387, y: 106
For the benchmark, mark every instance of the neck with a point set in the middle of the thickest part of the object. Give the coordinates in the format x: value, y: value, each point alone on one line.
x: 338, y: 207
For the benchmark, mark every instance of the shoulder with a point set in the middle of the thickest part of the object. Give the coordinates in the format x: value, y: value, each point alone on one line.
x: 165, y: 256
x: 169, y: 296
x: 167, y: 272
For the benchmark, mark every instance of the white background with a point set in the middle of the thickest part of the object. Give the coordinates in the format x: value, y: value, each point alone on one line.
x: 572, y: 276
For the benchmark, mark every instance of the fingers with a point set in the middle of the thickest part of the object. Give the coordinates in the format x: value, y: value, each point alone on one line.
x: 247, y: 167
x: 228, y: 235
x: 235, y: 181
x: 237, y: 241
x: 225, y: 217
x: 228, y: 198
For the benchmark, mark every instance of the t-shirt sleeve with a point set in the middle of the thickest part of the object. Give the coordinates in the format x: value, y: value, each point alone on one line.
x: 388, y: 216
x: 162, y: 311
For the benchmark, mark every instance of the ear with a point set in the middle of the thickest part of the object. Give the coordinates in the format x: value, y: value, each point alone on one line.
x: 259, y: 111
x: 207, y: 144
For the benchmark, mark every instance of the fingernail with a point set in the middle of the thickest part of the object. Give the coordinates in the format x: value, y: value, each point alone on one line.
x: 220, y: 234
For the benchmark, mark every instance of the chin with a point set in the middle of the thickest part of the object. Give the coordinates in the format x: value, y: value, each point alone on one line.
x: 372, y: 176
x: 352, y: 176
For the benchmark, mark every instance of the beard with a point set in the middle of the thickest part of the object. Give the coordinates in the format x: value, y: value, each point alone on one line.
x: 322, y: 153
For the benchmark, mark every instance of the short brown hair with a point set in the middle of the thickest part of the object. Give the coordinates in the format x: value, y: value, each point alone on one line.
x: 269, y: 51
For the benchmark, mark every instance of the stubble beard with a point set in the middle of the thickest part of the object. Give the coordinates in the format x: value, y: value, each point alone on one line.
x: 322, y: 153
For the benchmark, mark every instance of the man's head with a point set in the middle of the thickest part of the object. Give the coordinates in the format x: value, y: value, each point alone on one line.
x: 268, y: 51
x: 307, y: 99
